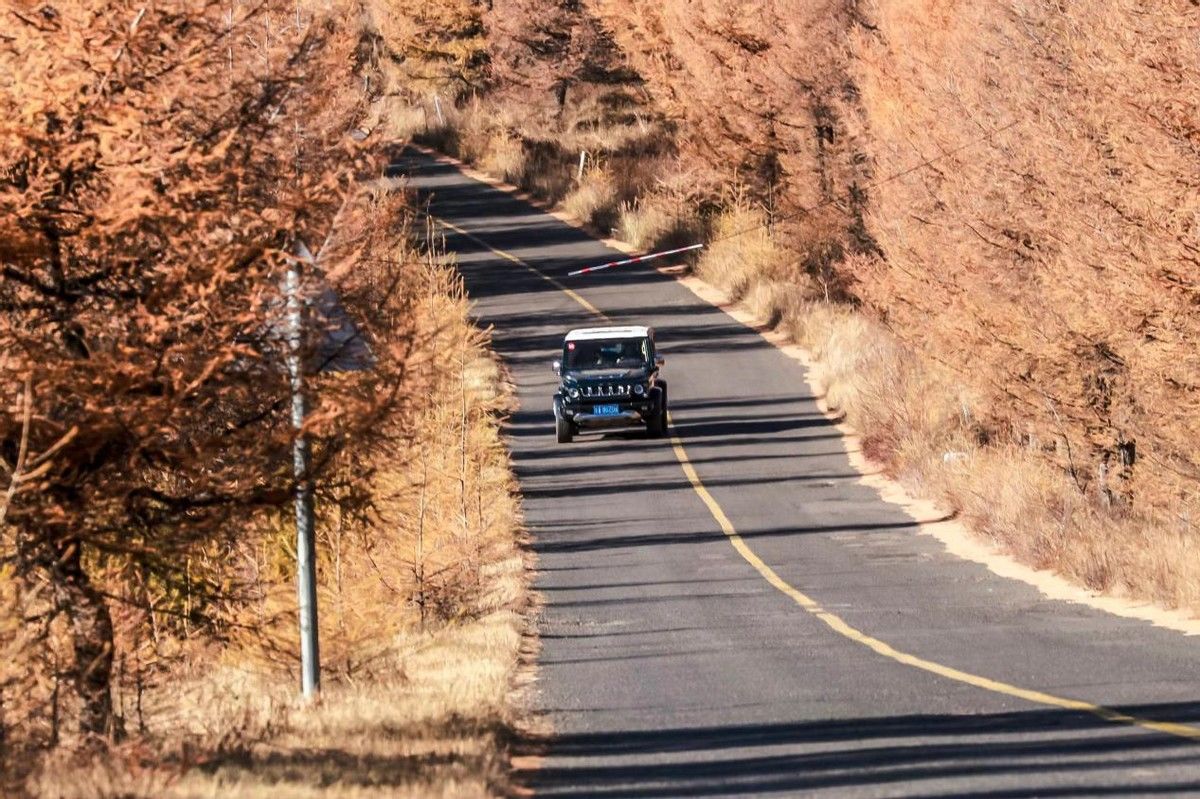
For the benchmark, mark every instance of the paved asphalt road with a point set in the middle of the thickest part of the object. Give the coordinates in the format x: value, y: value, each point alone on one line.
x: 671, y: 667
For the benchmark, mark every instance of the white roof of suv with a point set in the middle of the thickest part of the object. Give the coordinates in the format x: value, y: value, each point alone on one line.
x: 590, y: 333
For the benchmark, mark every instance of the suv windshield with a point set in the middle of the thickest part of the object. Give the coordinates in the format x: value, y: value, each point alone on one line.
x: 617, y: 353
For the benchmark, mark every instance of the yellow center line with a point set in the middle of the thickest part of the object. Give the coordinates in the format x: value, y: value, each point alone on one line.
x: 838, y: 625
x: 510, y: 257
x: 834, y: 622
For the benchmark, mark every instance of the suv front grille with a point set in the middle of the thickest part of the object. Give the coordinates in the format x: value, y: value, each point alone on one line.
x: 607, y: 390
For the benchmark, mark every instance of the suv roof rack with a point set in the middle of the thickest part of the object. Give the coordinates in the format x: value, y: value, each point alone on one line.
x: 631, y: 331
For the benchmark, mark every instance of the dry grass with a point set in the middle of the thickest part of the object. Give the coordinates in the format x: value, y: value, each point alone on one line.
x: 594, y: 200
x: 743, y: 255
x: 505, y: 156
x: 402, y: 120
x: 665, y: 211
x: 643, y: 223
x: 435, y: 728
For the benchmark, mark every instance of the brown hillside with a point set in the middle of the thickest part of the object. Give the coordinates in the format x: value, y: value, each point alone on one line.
x: 1054, y: 265
x: 1059, y: 257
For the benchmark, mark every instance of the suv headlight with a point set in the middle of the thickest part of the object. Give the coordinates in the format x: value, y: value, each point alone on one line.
x: 639, y: 389
x: 573, y: 393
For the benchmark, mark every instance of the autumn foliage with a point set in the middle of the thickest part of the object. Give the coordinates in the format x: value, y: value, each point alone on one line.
x: 160, y: 163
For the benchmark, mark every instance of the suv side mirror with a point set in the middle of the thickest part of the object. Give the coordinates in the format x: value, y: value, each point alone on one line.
x: 659, y: 360
x: 557, y: 367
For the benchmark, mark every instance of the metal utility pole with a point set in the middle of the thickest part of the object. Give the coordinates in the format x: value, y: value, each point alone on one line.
x: 306, y: 567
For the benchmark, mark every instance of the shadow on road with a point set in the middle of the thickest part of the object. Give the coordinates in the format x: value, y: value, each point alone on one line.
x: 1050, y: 753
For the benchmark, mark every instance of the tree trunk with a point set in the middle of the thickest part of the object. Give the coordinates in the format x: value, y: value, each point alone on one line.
x: 91, y: 639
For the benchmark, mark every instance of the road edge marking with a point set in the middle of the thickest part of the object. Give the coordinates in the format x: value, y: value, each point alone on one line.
x: 831, y: 620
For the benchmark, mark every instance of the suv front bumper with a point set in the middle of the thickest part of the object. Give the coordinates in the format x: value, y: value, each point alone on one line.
x: 594, y: 420
x: 630, y: 412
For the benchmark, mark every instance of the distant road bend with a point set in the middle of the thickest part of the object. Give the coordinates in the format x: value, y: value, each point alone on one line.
x: 729, y: 612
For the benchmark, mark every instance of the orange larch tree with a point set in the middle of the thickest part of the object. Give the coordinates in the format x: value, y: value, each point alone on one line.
x: 158, y: 163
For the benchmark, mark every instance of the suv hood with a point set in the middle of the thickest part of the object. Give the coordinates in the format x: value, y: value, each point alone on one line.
x: 605, y: 375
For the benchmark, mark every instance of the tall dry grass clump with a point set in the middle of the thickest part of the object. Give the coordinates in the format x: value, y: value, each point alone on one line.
x: 742, y: 254
x: 643, y: 222
x: 665, y: 209
x: 594, y: 200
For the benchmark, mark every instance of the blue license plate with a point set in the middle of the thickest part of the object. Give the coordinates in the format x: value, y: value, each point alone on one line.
x: 607, y: 410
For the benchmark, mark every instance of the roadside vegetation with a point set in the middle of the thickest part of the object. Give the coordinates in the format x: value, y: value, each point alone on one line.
x: 983, y: 230
x: 161, y: 164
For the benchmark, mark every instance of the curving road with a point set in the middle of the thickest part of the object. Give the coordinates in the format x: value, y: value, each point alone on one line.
x: 679, y: 656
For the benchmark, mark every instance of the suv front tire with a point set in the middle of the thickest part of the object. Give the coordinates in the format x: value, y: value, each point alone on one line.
x: 657, y: 426
x: 564, y: 430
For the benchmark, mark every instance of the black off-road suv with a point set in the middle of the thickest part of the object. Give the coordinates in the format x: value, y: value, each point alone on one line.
x: 609, y: 377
